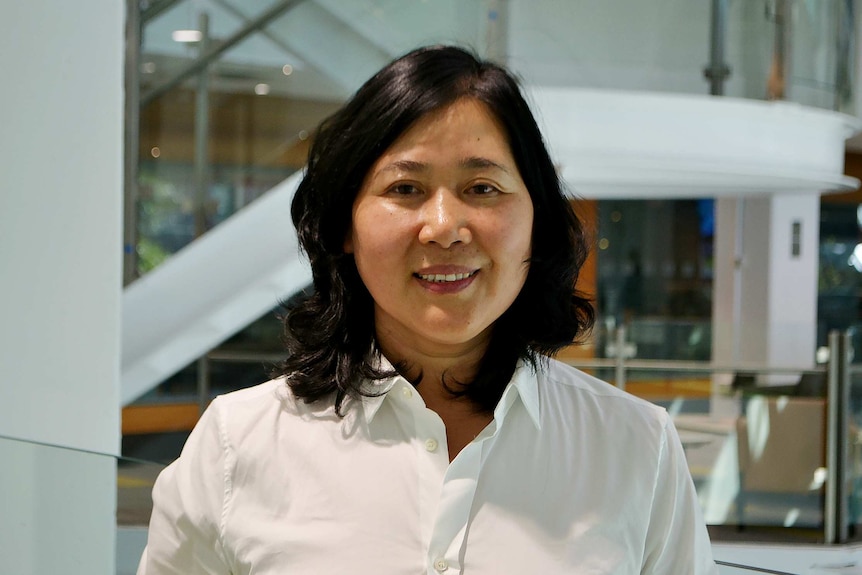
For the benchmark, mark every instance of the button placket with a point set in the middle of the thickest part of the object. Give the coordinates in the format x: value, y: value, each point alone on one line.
x: 432, y: 465
x: 456, y: 501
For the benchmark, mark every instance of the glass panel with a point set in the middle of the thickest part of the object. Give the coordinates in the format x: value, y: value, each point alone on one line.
x: 854, y: 455
x: 655, y: 277
x: 48, y: 492
x: 754, y: 438
x: 797, y: 50
x: 758, y: 455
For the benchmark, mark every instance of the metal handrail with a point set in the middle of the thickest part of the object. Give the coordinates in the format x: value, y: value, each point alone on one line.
x: 692, y: 366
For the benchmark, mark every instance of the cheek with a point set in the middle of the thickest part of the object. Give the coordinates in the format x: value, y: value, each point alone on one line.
x: 516, y: 234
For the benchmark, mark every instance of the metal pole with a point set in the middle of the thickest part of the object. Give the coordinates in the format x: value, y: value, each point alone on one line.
x: 717, y: 71
x: 203, y: 383
x: 219, y: 48
x: 201, y: 135
x: 842, y: 437
x: 496, y: 37
x: 620, y: 359
x: 131, y: 141
x: 776, y: 84
x: 844, y: 41
x: 831, y: 497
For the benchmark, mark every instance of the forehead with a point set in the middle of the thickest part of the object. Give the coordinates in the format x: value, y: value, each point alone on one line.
x: 465, y: 128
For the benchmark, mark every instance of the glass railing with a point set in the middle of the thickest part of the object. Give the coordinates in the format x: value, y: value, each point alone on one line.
x: 756, y: 436
x: 49, y: 491
x: 775, y: 453
x: 796, y: 50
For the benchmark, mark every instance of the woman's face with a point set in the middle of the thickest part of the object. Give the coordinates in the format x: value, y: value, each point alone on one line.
x: 441, y: 231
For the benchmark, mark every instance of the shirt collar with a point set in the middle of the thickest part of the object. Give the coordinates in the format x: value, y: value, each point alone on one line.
x: 524, y: 385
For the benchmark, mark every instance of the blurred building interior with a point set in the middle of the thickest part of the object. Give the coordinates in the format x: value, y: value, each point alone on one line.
x: 152, y: 151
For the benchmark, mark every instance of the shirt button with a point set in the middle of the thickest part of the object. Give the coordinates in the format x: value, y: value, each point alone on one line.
x: 440, y: 565
x: 408, y: 393
x: 431, y: 444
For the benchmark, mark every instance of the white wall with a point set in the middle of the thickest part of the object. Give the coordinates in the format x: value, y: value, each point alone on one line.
x: 60, y: 281
x: 765, y: 305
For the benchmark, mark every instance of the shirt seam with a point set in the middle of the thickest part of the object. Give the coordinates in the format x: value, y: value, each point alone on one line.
x: 663, y: 447
x: 227, y: 478
x: 612, y: 393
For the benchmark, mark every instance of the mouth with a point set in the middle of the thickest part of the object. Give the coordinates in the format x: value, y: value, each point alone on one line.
x: 446, y: 278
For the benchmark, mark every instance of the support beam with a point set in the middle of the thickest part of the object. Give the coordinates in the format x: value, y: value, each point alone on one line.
x: 219, y: 48
x: 152, y: 10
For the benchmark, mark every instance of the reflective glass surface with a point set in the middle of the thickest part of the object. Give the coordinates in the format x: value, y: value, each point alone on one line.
x: 49, y: 489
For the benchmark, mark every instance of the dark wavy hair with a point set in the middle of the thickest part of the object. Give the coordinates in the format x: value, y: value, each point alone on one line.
x: 330, y: 336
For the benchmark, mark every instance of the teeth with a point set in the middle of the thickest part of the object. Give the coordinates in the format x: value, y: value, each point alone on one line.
x: 440, y: 278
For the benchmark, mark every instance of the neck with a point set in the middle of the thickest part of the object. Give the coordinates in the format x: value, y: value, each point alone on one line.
x: 427, y: 365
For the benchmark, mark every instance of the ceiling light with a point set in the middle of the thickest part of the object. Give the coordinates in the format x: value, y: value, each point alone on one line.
x: 187, y: 35
x: 287, y: 69
x: 261, y: 89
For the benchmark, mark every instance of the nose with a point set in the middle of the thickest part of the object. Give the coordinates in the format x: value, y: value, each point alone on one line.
x: 445, y: 220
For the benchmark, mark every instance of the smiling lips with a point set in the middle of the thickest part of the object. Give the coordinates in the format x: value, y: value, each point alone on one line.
x: 443, y: 283
x: 440, y: 278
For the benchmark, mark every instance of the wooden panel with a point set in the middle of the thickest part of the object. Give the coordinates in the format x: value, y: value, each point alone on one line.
x: 587, y: 211
x: 159, y: 418
x: 244, y: 129
x: 852, y: 167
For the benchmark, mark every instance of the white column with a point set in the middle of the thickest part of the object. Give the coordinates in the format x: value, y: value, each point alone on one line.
x: 61, y: 112
x: 766, y: 270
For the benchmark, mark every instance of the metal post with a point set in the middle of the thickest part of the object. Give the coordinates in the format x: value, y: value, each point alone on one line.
x: 835, y: 513
x: 620, y: 359
x: 844, y: 55
x: 496, y: 37
x: 203, y: 383
x: 131, y: 141
x: 776, y: 84
x: 201, y: 135
x: 717, y: 71
x: 842, y: 438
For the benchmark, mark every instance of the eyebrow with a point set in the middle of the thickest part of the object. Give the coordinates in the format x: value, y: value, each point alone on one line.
x: 471, y: 163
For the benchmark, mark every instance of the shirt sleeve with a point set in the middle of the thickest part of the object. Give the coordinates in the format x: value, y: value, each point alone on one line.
x: 189, y: 496
x: 677, y: 542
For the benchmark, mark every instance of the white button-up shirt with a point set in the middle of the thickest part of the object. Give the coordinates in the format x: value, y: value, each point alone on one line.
x: 571, y: 476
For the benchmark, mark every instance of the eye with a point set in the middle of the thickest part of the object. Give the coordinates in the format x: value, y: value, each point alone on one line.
x: 404, y: 190
x: 483, y: 190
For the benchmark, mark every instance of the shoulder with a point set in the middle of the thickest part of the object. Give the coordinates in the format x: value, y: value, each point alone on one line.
x: 562, y: 378
x: 577, y: 395
x: 241, y: 412
x: 257, y: 398
x: 252, y: 420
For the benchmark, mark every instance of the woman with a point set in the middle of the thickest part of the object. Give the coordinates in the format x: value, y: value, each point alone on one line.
x: 419, y: 425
